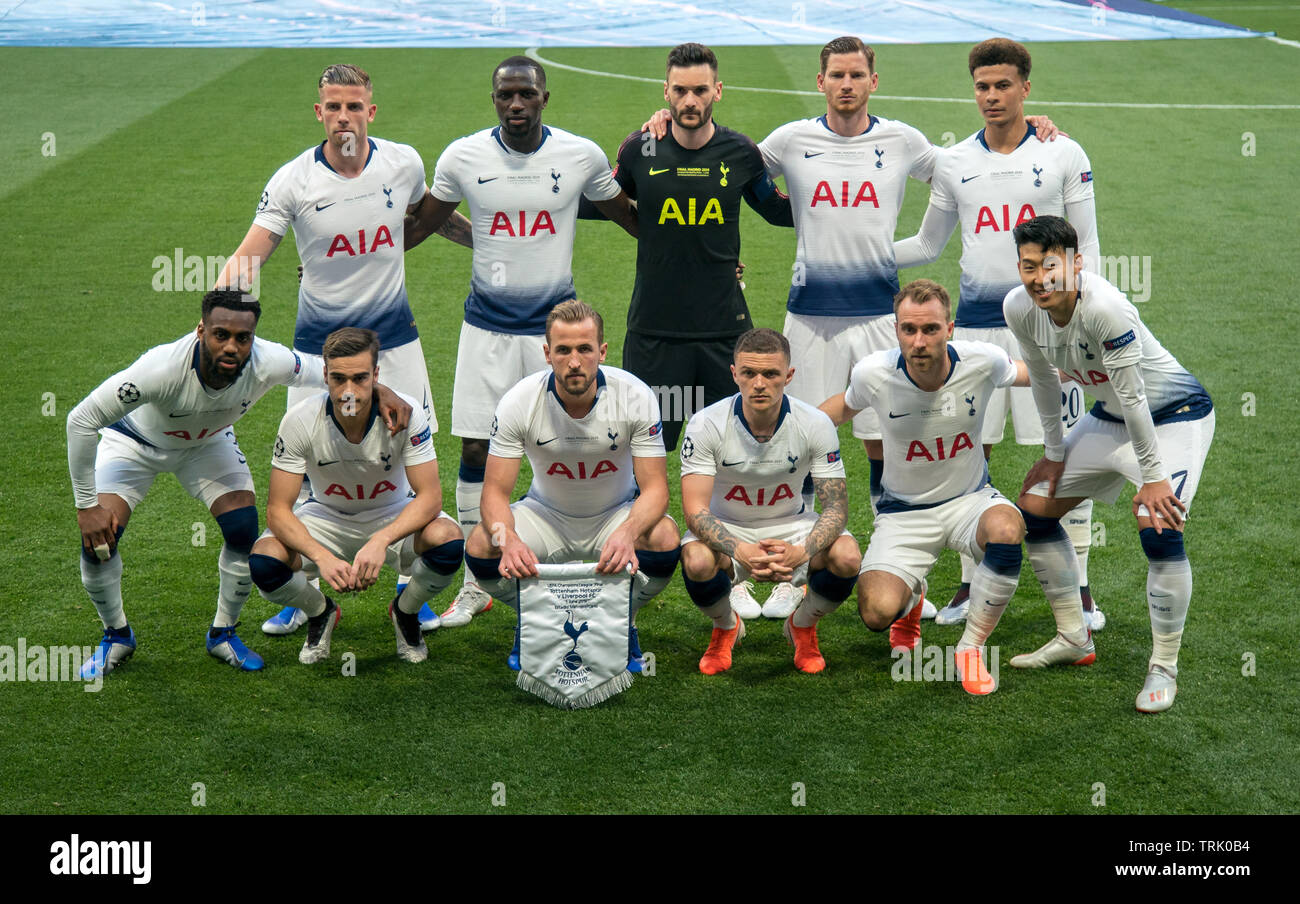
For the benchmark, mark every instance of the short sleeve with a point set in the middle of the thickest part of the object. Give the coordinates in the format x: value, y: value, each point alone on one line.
x: 446, y: 184
x: 699, y: 447
x: 647, y: 427
x: 941, y: 193
x: 417, y: 171
x: 292, y: 446
x: 773, y: 150
x: 279, y: 202
x: 1002, y: 369
x: 825, y: 441
x: 1078, y: 178
x: 600, y: 184
x: 506, y: 437
x: 861, y: 393
x: 923, y: 155
x: 418, y: 439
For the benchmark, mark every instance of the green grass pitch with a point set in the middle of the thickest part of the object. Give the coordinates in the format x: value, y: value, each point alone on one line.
x: 156, y: 150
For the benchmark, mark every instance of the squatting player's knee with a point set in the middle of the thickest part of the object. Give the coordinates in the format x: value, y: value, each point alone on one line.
x: 479, y: 543
x: 437, y: 532
x: 698, y: 562
x: 1003, y: 525
x: 844, y: 558
x: 270, y: 546
x: 662, y: 537
x: 474, y: 452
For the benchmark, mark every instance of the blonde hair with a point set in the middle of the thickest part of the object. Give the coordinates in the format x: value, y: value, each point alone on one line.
x: 574, y: 311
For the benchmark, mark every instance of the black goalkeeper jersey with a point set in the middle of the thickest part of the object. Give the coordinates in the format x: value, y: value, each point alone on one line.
x: 688, y: 213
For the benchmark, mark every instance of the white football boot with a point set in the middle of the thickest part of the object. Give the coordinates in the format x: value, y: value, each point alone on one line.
x: 1057, y: 651
x: 783, y: 600
x: 469, y: 602
x: 743, y: 602
x: 1157, y: 692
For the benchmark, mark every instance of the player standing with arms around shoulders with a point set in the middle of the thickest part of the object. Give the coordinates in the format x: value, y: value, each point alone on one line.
x: 346, y: 200
x: 523, y: 181
x: 592, y: 437
x: 989, y: 183
x: 376, y: 498
x: 743, y: 461
x: 1152, y: 426
x: 688, y: 308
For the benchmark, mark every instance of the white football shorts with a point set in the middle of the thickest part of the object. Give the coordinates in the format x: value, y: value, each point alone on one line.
x: 823, y: 351
x: 557, y: 538
x: 208, y: 471
x: 907, y: 544
x: 1099, y: 459
x: 344, y: 535
x: 487, y: 365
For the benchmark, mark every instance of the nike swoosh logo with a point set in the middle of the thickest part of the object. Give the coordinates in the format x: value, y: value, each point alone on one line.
x: 732, y: 464
x: 807, y: 154
x: 481, y: 180
x: 320, y: 207
x: 322, y: 464
x: 544, y: 442
x: 182, y: 414
x: 966, y: 179
x: 904, y: 414
x: 1162, y: 596
x: 655, y: 172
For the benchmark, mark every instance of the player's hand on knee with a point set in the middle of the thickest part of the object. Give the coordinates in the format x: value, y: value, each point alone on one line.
x: 517, y: 560
x: 1044, y: 470
x: 395, y: 412
x: 98, y: 528
x: 1160, y: 502
x: 657, y: 124
x: 617, y: 553
x: 338, y: 574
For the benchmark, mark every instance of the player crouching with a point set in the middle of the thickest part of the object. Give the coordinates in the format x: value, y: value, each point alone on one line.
x: 594, y: 442
x: 931, y: 396
x: 744, y: 460
x: 365, y: 515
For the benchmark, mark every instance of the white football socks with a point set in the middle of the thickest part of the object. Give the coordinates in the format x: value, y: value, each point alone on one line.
x: 1169, y: 594
x: 233, y: 586
x: 299, y: 593
x: 1057, y: 569
x: 103, y: 582
x: 423, y: 585
x: 989, y: 594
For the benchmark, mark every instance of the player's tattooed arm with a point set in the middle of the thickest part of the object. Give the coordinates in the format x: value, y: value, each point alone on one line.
x: 712, y: 532
x: 833, y: 496
x: 425, y: 218
x: 458, y: 230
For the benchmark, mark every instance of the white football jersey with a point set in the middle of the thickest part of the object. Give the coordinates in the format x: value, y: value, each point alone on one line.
x: 933, y: 452
x: 351, y: 478
x: 758, y: 483
x: 160, y: 401
x: 349, y: 236
x: 1106, y: 332
x: 524, y: 210
x: 993, y: 193
x: 581, y: 467
x: 846, y: 194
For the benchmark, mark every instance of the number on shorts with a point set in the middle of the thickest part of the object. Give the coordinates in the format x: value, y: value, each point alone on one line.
x: 1181, y: 477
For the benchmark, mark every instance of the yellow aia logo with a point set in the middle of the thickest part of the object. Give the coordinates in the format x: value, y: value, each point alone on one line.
x: 673, y: 211
x: 724, y: 169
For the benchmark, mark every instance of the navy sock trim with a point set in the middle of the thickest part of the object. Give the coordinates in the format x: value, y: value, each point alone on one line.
x: 706, y: 593
x: 471, y: 474
x: 877, y: 467
x: 268, y: 572
x: 483, y: 569
x: 1164, y: 546
x: 239, y: 528
x: 1004, y: 558
x: 659, y: 564
x: 831, y: 586
x: 445, y: 559
x: 89, y: 554
x: 1042, y: 530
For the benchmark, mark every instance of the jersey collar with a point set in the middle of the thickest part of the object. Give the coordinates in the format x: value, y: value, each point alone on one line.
x: 739, y: 409
x: 370, y: 155
x: 600, y: 388
x: 496, y: 133
x: 979, y: 136
x: 374, y: 413
x: 952, y: 356
x: 872, y: 119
